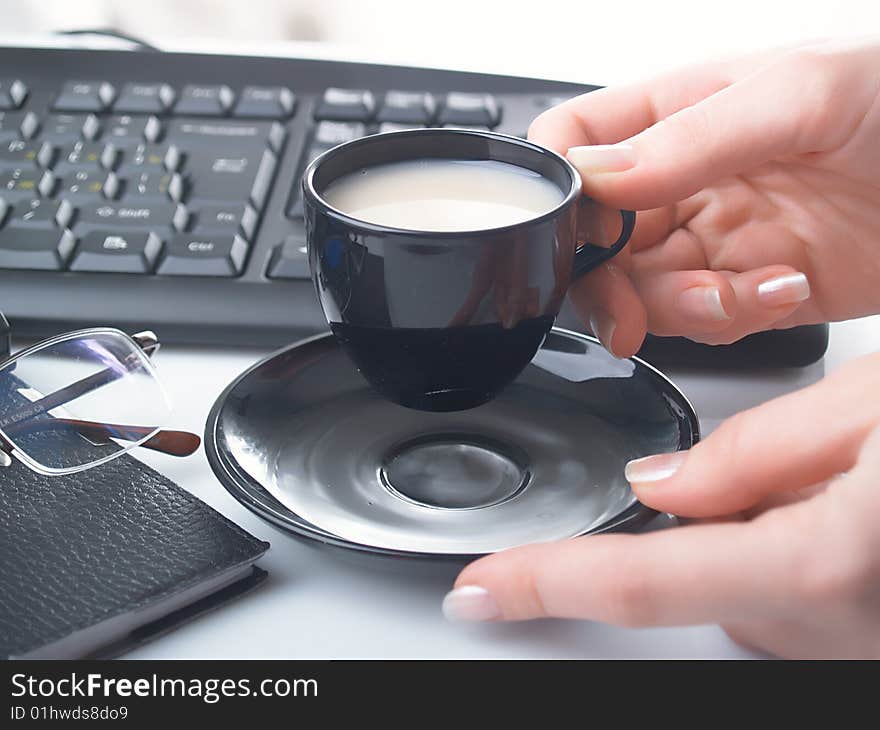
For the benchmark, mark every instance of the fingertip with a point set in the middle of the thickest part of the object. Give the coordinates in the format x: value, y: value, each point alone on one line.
x: 506, y: 580
x: 475, y: 573
x: 627, y: 340
x: 687, y: 303
x: 766, y: 297
x: 709, y: 303
x: 607, y: 301
x: 783, y: 289
x: 653, y: 480
x: 557, y: 129
x: 675, y: 482
x: 536, y: 129
x: 470, y: 603
x: 637, y: 187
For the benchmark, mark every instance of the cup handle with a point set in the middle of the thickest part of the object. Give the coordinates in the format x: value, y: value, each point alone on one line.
x: 588, y: 256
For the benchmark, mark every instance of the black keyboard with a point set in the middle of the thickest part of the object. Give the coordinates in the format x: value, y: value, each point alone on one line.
x: 147, y: 189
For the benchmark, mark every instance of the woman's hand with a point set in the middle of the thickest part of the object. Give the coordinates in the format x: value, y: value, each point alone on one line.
x: 760, y: 182
x: 784, y: 553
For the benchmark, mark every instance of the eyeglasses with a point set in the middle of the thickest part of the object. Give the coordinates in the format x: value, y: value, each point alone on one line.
x: 80, y: 399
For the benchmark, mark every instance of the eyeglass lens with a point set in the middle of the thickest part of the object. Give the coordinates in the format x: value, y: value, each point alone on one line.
x: 80, y: 400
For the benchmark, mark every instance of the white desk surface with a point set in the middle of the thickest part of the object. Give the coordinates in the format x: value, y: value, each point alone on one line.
x: 320, y: 603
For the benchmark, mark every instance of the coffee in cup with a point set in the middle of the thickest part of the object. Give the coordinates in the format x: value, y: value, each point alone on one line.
x: 444, y: 195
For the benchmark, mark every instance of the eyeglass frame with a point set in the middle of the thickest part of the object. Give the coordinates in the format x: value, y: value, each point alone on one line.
x: 177, y: 443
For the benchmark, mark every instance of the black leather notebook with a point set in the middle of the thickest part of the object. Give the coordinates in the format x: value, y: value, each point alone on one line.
x: 97, y: 562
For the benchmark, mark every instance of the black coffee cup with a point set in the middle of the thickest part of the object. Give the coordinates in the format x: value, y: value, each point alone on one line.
x: 444, y: 320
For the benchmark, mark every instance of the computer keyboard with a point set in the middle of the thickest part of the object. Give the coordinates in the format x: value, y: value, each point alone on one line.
x: 150, y: 189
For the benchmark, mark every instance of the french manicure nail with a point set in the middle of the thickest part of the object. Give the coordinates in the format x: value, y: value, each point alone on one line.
x: 470, y: 603
x: 603, y: 325
x: 602, y: 158
x: 702, y: 303
x: 782, y: 290
x: 654, y: 468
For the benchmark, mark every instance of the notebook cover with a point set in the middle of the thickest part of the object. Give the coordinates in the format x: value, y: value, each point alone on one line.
x: 81, y: 549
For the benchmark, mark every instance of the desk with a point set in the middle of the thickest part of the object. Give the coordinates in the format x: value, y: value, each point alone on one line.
x: 320, y: 603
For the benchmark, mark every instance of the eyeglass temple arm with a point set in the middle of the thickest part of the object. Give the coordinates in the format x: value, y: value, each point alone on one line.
x: 175, y: 443
x: 147, y: 341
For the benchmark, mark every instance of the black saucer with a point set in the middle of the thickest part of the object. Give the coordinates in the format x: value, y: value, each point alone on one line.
x: 303, y: 441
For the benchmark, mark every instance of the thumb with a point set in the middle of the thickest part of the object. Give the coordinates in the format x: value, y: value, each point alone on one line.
x: 768, y: 114
x: 785, y: 444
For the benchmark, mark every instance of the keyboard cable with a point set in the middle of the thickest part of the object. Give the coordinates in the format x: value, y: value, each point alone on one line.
x: 111, y: 33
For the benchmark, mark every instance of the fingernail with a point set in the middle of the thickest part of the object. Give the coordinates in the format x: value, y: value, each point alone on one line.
x: 654, y: 468
x: 603, y: 325
x: 702, y: 303
x: 470, y: 603
x: 602, y: 158
x: 782, y: 290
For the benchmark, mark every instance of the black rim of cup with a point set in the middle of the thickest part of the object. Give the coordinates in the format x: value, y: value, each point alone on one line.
x: 314, y: 198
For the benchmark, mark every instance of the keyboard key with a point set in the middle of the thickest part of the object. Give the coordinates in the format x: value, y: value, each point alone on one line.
x: 38, y: 213
x: 398, y: 127
x: 274, y: 102
x: 474, y: 109
x: 35, y: 248
x: 47, y: 184
x: 113, y: 251
x: 542, y: 103
x: 290, y: 260
x: 412, y: 107
x: 10, y: 125
x: 295, y: 203
x: 86, y: 156
x: 115, y: 216
x: 263, y: 180
x: 296, y: 207
x: 86, y: 186
x: 139, y: 98
x: 331, y: 134
x: 125, y: 130
x: 217, y: 178
x: 194, y: 255
x: 12, y: 93
x: 21, y: 154
x: 19, y: 183
x: 149, y: 158
x: 472, y: 127
x: 347, y: 105
x: 84, y: 96
x: 220, y: 218
x: 60, y: 129
x: 226, y: 134
x: 315, y: 151
x: 154, y: 186
x: 30, y: 125
x: 212, y: 101
x: 18, y: 125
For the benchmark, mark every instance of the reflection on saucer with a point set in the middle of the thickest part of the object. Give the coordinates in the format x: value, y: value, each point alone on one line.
x: 587, y: 364
x: 303, y: 440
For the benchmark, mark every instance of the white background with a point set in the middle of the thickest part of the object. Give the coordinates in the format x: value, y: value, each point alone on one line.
x: 590, y: 41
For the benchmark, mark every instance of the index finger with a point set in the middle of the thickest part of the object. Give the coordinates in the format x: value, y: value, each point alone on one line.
x: 613, y: 114
x: 706, y: 573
